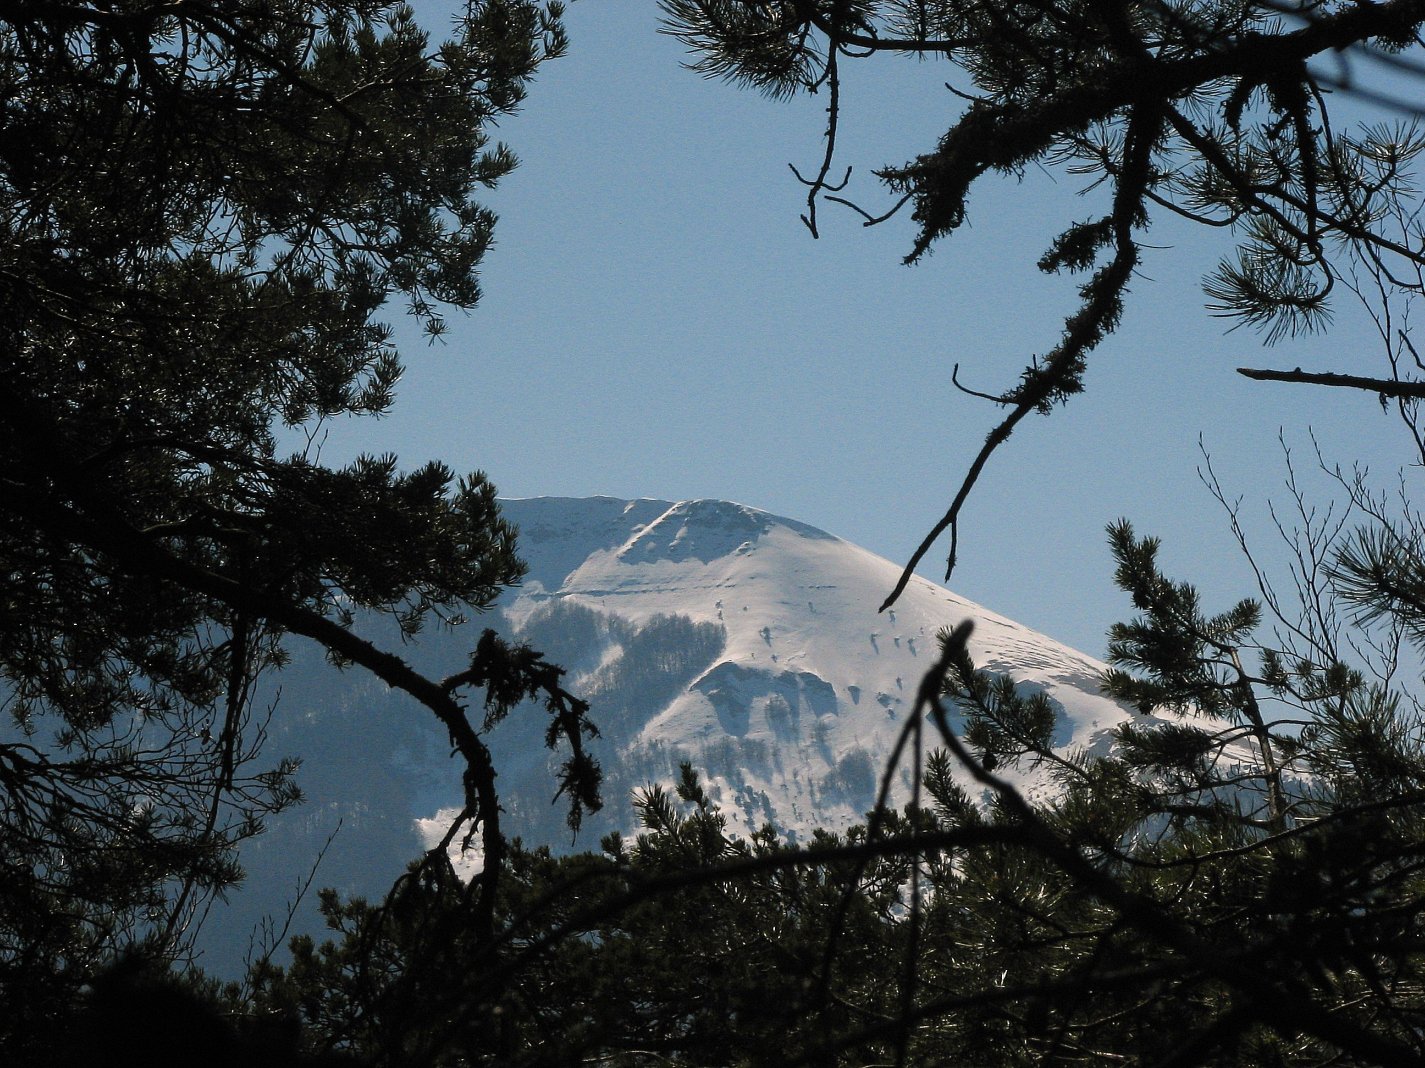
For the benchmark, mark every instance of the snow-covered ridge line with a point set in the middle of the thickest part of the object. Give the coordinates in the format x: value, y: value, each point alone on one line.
x: 811, y: 685
x: 706, y: 631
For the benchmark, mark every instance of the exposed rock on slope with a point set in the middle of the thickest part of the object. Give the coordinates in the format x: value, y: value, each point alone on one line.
x: 704, y: 631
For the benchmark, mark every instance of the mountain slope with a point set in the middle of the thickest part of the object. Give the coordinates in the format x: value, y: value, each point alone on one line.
x: 801, y: 705
x: 703, y: 631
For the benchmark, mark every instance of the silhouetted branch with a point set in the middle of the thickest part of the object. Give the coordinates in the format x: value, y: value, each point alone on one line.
x: 870, y: 220
x: 1059, y: 375
x: 1386, y: 387
x: 833, y: 114
x: 955, y: 381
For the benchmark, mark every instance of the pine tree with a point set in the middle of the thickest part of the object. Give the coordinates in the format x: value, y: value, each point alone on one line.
x: 1237, y: 881
x: 205, y: 209
x: 683, y: 945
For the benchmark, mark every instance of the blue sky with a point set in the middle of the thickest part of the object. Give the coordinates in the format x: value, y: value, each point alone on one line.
x: 658, y: 322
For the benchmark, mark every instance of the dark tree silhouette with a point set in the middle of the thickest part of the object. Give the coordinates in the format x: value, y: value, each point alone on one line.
x: 1216, y: 112
x: 204, y: 209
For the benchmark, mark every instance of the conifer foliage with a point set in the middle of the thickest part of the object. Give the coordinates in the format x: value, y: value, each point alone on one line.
x: 205, y: 208
x: 1215, y: 112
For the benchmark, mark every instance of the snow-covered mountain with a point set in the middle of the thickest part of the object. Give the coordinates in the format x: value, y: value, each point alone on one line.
x: 705, y: 631
x: 751, y: 646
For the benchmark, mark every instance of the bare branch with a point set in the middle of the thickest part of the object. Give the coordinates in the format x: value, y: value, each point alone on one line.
x: 1386, y: 387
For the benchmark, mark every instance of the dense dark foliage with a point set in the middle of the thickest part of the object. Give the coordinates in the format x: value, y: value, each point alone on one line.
x: 203, y: 208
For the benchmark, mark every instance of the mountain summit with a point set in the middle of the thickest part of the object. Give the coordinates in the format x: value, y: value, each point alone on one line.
x: 750, y: 645
x: 703, y: 631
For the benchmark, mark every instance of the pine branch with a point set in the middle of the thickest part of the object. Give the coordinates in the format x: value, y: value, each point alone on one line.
x: 107, y: 532
x: 1386, y: 387
x: 1283, y: 1003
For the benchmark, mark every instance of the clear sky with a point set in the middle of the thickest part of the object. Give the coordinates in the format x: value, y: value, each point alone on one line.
x: 657, y: 322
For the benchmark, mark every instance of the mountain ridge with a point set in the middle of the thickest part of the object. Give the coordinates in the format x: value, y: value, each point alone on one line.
x: 704, y: 631
x: 797, y: 603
